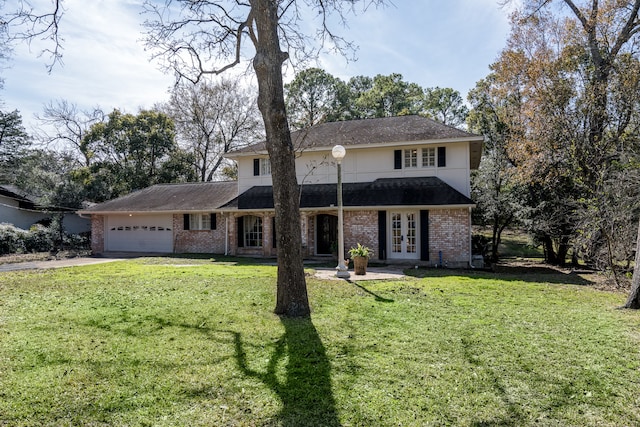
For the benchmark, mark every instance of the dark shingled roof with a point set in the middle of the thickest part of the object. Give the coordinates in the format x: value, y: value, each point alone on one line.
x: 370, y: 131
x: 426, y: 191
x: 28, y: 201
x: 191, y: 197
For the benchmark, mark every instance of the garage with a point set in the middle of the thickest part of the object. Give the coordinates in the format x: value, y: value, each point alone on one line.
x: 139, y: 233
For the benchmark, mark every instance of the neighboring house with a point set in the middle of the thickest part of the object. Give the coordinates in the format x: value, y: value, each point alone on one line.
x: 23, y: 210
x: 406, y: 188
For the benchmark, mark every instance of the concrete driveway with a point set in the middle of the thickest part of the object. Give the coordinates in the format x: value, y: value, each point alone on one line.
x: 59, y: 263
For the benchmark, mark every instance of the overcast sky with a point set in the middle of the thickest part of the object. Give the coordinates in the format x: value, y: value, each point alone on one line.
x: 446, y: 43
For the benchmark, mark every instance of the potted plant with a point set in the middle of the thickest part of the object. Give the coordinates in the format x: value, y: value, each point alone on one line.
x: 360, y: 256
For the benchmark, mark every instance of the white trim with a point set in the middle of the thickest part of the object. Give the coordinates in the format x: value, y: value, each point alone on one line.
x: 366, y: 146
x: 404, y: 255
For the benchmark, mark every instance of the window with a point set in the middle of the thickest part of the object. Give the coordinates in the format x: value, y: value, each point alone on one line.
x: 200, y: 221
x: 411, y: 158
x: 252, y: 227
x: 265, y: 167
x: 261, y: 166
x: 428, y: 157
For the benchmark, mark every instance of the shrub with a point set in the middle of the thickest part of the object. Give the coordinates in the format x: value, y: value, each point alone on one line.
x: 12, y: 239
x: 480, y: 245
x: 38, y: 239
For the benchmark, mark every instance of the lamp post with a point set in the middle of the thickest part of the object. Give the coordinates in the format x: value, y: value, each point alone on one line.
x: 338, y: 152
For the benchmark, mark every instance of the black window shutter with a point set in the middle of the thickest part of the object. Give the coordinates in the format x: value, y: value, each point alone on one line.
x: 185, y: 218
x: 273, y: 230
x: 442, y: 157
x: 397, y: 159
x: 382, y: 235
x: 256, y: 167
x: 424, y: 235
x: 240, y: 228
x: 213, y: 221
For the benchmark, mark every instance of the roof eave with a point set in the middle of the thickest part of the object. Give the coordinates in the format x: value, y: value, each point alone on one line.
x: 364, y: 145
x: 147, y: 212
x: 358, y: 208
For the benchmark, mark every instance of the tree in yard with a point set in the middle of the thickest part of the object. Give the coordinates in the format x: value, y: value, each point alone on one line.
x: 575, y: 126
x: 48, y: 175
x: 213, y: 118
x: 495, y: 187
x: 633, y: 301
x: 388, y: 96
x: 129, y: 152
x: 357, y: 86
x: 315, y: 96
x: 446, y: 106
x: 210, y: 37
x: 14, y: 142
x: 64, y: 126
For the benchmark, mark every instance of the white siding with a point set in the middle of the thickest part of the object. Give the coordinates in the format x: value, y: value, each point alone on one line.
x: 21, y: 218
x: 365, y: 164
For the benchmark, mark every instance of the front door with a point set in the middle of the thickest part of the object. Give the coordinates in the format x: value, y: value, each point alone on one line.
x: 404, y: 235
x: 326, y: 234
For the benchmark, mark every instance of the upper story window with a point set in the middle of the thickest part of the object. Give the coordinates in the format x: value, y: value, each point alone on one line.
x: 261, y: 166
x: 411, y: 158
x: 200, y: 221
x: 429, y: 157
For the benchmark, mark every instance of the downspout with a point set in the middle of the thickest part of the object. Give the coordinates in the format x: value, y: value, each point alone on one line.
x: 470, y: 242
x: 226, y: 234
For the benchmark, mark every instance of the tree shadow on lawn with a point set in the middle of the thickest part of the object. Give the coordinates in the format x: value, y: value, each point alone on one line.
x: 305, y: 392
x: 534, y: 273
x: 375, y: 296
x: 304, y: 388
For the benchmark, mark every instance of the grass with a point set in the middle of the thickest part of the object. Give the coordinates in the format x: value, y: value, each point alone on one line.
x: 191, y: 342
x: 515, y: 244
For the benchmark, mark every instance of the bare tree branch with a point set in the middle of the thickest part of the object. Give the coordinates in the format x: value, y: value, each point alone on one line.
x: 26, y: 24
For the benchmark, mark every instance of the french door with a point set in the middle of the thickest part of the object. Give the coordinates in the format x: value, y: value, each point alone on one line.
x: 404, y: 235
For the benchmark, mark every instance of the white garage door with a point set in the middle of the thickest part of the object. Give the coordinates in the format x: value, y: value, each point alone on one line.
x: 139, y: 233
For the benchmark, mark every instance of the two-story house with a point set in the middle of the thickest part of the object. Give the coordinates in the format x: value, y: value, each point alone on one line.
x: 406, y: 188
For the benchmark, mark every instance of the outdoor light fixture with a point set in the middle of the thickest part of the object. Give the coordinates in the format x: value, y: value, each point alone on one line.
x: 338, y: 152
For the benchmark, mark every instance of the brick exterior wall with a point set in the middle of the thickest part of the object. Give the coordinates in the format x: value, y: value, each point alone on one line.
x: 449, y: 232
x: 361, y: 227
x: 198, y: 241
x: 97, y: 234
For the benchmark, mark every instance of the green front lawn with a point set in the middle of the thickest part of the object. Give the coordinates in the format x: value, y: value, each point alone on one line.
x: 189, y: 342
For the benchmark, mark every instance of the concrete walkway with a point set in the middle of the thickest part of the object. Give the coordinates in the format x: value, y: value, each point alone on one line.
x: 373, y: 273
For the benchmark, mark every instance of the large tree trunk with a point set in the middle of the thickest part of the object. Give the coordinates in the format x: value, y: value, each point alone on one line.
x: 634, y: 296
x: 292, y: 299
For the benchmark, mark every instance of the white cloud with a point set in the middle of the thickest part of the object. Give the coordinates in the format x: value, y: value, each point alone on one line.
x: 104, y: 63
x: 447, y: 44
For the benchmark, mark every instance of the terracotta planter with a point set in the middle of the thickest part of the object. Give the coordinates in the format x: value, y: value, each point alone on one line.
x: 360, y: 265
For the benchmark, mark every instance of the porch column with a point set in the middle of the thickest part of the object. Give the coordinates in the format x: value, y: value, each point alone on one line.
x: 232, y: 233
x: 304, y: 225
